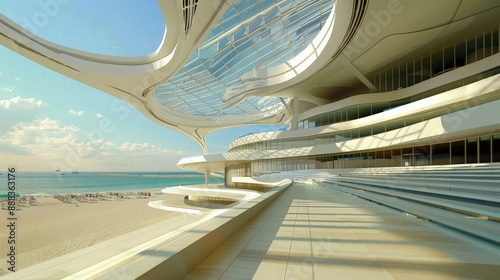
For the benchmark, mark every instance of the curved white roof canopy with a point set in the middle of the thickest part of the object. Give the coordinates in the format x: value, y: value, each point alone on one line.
x: 204, y: 74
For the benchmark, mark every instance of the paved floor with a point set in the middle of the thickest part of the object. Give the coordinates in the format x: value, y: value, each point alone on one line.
x: 312, y: 232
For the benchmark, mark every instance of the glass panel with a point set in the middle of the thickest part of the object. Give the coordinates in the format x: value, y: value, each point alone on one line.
x: 396, y: 158
x: 363, y: 132
x: 324, y: 119
x: 395, y: 78
x: 471, y: 149
x: 437, y: 64
x: 441, y: 154
x: 410, y: 76
x: 488, y: 50
x: 352, y: 113
x: 496, y: 147
x: 460, y: 55
x: 347, y: 134
x: 458, y: 152
x: 495, y: 42
x: 387, y: 154
x: 365, y: 110
x: 422, y: 155
x: 383, y: 86
x: 426, y: 67
x: 471, y: 53
x: 312, y: 122
x: 378, y: 129
x: 331, y: 118
x: 318, y: 121
x: 355, y: 133
x: 402, y: 76
x: 479, y: 47
x: 395, y: 125
x: 449, y: 59
x: 407, y: 156
x: 484, y: 149
x: 338, y: 116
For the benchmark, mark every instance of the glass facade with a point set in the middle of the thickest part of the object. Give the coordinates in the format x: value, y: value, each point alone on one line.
x: 250, y: 34
x: 482, y: 149
x: 449, y: 55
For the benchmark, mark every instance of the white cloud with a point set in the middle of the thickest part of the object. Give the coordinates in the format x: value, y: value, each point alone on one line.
x: 76, y: 113
x: 16, y: 110
x: 31, y: 133
x: 106, y: 154
x: 48, y: 125
x: 9, y: 89
x: 20, y: 103
x: 17, y: 78
x: 144, y: 148
x: 127, y: 146
x: 98, y: 115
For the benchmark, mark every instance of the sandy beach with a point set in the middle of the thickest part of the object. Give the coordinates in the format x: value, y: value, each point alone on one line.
x: 55, y: 228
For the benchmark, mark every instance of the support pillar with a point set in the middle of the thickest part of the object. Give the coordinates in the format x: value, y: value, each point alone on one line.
x: 207, y: 177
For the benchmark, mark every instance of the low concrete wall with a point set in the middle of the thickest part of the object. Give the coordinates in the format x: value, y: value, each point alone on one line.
x: 177, y: 258
x: 211, y: 202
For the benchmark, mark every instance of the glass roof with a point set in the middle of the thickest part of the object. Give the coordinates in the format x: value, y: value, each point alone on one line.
x: 250, y: 33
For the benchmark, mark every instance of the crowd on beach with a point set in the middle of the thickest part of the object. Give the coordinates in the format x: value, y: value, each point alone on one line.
x: 30, y: 200
x: 21, y: 201
x: 95, y: 197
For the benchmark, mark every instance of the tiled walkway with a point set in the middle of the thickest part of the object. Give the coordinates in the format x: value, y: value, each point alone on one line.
x: 312, y: 232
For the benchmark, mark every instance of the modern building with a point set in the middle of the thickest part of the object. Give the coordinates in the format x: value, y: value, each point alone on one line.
x: 399, y: 85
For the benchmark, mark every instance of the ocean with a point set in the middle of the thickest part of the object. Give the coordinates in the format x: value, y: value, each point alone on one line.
x: 50, y: 183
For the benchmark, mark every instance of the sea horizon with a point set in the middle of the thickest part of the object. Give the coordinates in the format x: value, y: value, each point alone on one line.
x: 49, y: 183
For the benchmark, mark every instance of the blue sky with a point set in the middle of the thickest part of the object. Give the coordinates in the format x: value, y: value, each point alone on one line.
x: 50, y: 121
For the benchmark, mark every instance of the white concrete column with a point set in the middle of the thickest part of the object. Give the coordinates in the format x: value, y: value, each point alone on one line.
x: 207, y: 176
